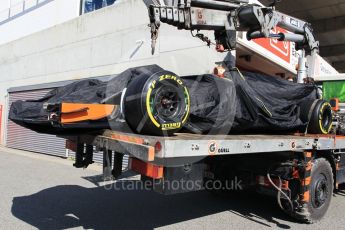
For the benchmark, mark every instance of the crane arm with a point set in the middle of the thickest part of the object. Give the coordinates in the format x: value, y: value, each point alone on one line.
x: 225, y: 17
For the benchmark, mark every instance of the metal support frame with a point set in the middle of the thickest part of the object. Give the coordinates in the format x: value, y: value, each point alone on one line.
x: 83, y: 155
x: 107, y: 164
x: 302, y: 68
x: 306, y: 177
x: 88, y: 155
x: 117, y: 165
x: 337, y: 173
x: 79, y: 156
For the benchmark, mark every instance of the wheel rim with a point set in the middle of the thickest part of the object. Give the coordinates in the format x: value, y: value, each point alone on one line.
x: 320, y: 193
x: 166, y: 102
x: 326, y: 118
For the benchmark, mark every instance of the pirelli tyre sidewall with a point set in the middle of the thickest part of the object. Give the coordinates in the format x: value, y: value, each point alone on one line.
x: 321, y: 118
x: 157, y: 105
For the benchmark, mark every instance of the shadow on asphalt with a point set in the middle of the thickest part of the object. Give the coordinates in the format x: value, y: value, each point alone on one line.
x: 68, y: 206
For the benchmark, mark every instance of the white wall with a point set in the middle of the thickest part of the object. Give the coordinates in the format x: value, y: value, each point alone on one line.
x: 4, y: 4
x: 103, y: 42
x: 52, y: 13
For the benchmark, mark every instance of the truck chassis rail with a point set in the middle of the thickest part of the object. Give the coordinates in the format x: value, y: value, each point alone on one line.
x: 162, y: 150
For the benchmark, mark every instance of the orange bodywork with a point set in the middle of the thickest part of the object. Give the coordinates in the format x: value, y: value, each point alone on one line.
x: 72, y: 113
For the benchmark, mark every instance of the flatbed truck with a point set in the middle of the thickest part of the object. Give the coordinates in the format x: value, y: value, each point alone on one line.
x: 302, y: 170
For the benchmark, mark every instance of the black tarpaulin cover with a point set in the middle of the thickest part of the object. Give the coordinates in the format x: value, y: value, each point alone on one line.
x: 239, y: 103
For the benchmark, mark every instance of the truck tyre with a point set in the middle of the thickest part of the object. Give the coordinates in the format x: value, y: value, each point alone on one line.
x: 321, y: 190
x: 156, y: 104
x: 318, y: 114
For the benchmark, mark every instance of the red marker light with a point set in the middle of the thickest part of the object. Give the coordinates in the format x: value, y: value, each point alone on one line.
x: 158, y: 147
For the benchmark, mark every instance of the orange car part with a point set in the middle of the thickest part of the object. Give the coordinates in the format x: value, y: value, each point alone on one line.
x: 335, y: 104
x: 71, y: 112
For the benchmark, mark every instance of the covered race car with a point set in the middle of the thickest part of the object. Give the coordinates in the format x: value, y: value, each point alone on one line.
x: 150, y: 100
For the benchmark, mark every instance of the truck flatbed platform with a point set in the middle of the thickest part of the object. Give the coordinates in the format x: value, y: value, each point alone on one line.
x: 185, y: 145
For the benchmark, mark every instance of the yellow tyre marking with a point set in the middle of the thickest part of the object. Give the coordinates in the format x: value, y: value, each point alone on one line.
x: 188, y: 106
x: 148, y: 108
x: 320, y: 120
x: 170, y: 126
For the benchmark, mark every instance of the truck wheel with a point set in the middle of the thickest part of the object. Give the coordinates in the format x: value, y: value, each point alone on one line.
x: 321, y: 190
x: 318, y: 114
x: 157, y: 104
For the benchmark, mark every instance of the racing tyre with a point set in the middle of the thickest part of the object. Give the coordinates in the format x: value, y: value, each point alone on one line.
x: 156, y: 104
x: 319, y: 116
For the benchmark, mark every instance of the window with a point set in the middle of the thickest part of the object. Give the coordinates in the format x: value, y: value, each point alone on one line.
x: 14, y: 8
x: 92, y: 5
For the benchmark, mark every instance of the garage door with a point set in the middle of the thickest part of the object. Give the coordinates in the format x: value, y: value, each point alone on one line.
x: 25, y: 139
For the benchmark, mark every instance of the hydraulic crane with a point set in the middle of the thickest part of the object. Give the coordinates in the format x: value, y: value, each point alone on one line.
x: 227, y: 17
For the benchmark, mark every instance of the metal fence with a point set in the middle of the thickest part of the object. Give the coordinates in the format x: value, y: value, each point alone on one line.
x: 18, y: 7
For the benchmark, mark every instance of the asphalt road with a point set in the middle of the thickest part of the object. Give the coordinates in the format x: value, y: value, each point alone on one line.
x: 48, y: 193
